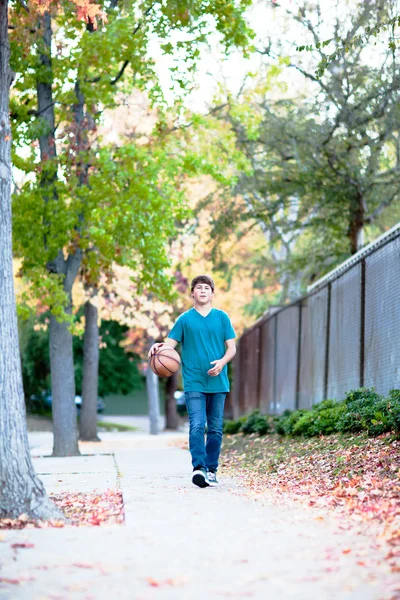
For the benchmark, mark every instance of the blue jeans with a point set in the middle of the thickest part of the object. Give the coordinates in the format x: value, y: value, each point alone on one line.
x: 204, y: 408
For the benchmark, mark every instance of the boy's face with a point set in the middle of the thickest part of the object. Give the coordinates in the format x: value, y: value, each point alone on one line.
x: 202, y: 293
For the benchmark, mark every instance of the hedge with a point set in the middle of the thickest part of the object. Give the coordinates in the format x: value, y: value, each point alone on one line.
x: 362, y: 410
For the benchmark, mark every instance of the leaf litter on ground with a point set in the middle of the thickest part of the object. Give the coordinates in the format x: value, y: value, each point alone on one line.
x: 80, y: 509
x: 351, y: 475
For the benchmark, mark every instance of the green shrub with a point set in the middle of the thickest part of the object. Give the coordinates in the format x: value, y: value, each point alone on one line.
x: 319, y: 421
x: 394, y: 409
x: 235, y: 426
x: 256, y: 423
x: 324, y: 405
x: 362, y: 407
x: 278, y: 421
x: 384, y: 416
x: 232, y: 427
x: 284, y: 424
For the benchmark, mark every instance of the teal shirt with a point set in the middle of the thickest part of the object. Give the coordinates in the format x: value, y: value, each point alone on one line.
x: 203, y: 340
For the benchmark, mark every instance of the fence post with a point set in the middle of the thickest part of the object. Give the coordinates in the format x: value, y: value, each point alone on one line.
x: 260, y: 361
x: 298, y: 358
x: 275, y: 362
x: 362, y: 323
x: 328, y: 332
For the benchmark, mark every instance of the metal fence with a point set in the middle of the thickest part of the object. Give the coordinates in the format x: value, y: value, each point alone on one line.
x: 344, y: 334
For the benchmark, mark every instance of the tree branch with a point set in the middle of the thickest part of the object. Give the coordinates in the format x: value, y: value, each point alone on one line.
x: 24, y: 5
x: 381, y: 207
x: 126, y: 62
x: 121, y: 72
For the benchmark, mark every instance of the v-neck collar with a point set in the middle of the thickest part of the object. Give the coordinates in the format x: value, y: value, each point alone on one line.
x: 203, y: 316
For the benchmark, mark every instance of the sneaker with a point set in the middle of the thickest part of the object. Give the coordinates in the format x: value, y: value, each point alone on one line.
x: 212, y: 478
x: 199, y: 477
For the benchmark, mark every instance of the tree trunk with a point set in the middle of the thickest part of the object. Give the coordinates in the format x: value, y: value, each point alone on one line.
x: 88, y: 416
x: 90, y: 382
x: 171, y: 414
x: 62, y: 367
x: 61, y: 353
x: 357, y: 223
x: 153, y: 397
x: 21, y: 491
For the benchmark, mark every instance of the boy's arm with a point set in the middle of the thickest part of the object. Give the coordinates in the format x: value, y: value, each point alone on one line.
x: 219, y: 364
x: 168, y: 342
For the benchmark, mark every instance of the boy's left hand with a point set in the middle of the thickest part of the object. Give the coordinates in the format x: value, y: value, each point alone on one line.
x: 217, y: 368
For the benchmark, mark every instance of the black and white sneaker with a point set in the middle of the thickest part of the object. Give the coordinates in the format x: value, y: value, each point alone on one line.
x: 199, y: 477
x: 212, y: 478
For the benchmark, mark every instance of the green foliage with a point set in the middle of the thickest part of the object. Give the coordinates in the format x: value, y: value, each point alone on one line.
x: 256, y: 423
x: 232, y: 427
x: 319, y: 177
x: 368, y: 411
x: 319, y: 420
x: 118, y: 370
x: 393, y: 408
x: 363, y: 410
x: 285, y: 424
x: 344, y: 45
x: 35, y: 359
x: 116, y: 203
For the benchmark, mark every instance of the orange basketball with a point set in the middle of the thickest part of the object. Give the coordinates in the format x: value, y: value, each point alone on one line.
x: 165, y: 361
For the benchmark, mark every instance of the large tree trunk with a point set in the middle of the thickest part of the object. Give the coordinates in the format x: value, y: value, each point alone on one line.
x: 61, y: 353
x: 88, y: 416
x: 20, y: 489
x: 171, y: 414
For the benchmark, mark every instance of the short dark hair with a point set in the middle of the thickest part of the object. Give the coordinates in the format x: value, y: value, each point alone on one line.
x: 202, y: 279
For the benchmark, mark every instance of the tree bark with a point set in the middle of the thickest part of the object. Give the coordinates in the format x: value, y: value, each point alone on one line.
x: 90, y: 383
x: 88, y: 416
x: 61, y: 352
x: 21, y: 491
x: 357, y: 223
x: 62, y: 367
x: 153, y: 397
x: 171, y: 414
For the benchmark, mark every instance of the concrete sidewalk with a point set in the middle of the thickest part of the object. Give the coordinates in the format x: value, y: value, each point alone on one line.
x: 181, y: 542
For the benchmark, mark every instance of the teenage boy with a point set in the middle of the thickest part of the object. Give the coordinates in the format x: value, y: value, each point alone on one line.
x: 208, y: 344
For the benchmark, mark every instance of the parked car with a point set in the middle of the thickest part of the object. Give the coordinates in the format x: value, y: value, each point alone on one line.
x: 47, y: 401
x: 100, y: 403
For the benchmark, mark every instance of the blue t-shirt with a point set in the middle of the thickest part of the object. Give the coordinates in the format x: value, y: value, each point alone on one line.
x: 203, y: 340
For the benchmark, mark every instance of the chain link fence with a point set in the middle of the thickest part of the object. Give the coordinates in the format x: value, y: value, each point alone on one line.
x: 344, y: 334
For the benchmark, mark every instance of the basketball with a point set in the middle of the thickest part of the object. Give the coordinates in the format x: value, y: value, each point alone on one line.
x: 165, y: 361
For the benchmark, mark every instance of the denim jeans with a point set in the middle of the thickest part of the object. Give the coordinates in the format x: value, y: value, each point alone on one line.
x: 202, y: 408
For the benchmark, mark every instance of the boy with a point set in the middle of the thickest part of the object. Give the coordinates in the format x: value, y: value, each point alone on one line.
x: 208, y: 344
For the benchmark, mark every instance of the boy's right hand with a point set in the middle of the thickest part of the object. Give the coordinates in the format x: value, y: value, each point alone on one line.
x: 154, y: 348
